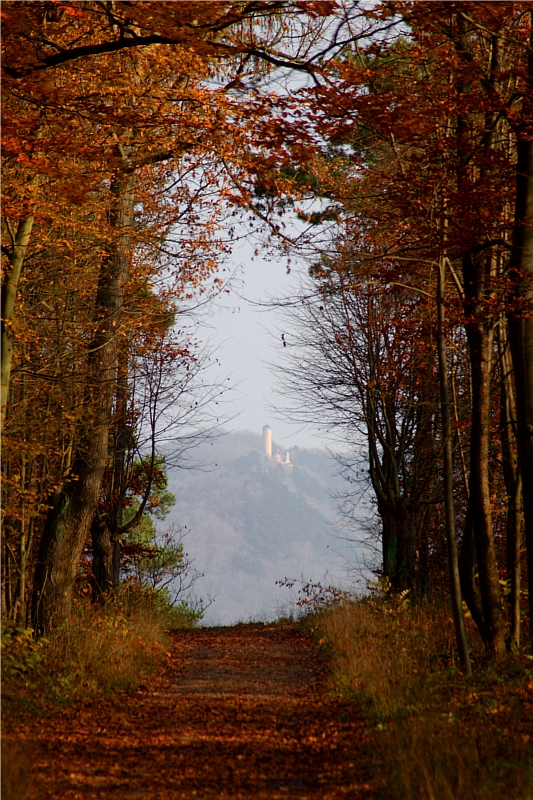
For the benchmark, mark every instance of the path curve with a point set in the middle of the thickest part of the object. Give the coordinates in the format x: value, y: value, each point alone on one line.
x: 236, y: 713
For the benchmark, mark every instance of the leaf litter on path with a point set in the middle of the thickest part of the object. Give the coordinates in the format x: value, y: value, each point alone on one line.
x: 239, y: 712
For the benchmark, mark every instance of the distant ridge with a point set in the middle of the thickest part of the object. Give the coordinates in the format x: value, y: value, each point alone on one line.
x: 254, y: 521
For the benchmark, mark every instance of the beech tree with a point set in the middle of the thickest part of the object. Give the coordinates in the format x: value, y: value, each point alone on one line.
x: 416, y: 138
x: 131, y: 117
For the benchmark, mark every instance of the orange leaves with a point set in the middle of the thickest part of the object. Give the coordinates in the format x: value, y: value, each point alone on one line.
x: 239, y: 712
x: 72, y: 10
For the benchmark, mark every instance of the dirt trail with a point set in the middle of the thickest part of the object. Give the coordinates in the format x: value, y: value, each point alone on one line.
x: 236, y: 712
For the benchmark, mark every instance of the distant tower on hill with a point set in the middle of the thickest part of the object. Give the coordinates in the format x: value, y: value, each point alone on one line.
x: 267, y: 441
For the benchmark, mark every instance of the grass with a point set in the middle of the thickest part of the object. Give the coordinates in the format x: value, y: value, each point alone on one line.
x: 436, y: 734
x: 103, y: 648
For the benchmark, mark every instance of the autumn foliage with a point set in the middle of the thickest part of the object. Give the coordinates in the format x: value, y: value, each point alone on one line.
x: 423, y: 159
x: 126, y: 146
x: 400, y: 137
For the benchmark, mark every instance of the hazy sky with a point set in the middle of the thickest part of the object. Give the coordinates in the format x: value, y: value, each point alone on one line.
x: 244, y: 338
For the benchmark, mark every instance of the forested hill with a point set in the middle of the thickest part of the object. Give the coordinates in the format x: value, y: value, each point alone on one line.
x: 253, y: 521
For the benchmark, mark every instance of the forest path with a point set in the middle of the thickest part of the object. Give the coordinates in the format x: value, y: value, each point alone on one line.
x: 238, y: 712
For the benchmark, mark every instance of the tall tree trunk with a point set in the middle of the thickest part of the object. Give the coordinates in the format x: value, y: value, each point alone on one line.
x: 479, y: 333
x: 120, y: 452
x: 398, y: 542
x: 103, y: 550
x: 453, y: 565
x: 480, y: 349
x: 397, y: 512
x: 73, y: 509
x: 9, y: 294
x: 513, y: 485
x: 520, y: 318
x: 406, y: 553
x: 467, y: 573
x: 520, y: 323
x: 106, y: 528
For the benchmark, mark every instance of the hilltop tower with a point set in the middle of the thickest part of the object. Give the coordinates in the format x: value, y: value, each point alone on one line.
x: 267, y: 441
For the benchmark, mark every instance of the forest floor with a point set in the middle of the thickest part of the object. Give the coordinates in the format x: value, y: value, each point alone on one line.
x: 243, y: 712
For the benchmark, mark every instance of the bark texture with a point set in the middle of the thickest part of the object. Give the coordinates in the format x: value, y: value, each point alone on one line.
x: 480, y: 344
x: 73, y: 510
x: 513, y: 486
x: 453, y: 565
x: 520, y: 322
x: 9, y: 294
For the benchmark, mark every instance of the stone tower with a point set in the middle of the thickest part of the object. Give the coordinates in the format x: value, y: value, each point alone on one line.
x: 267, y: 441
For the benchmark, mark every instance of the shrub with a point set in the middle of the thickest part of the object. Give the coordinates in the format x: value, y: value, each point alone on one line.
x: 102, y: 648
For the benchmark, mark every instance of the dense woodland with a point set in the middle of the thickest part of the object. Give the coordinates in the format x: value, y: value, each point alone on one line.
x: 400, y: 136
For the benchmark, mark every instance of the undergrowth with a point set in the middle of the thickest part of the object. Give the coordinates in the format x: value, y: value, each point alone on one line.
x: 102, y: 648
x: 436, y: 734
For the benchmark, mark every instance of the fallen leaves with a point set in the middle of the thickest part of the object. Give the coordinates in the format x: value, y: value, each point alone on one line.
x: 234, y: 712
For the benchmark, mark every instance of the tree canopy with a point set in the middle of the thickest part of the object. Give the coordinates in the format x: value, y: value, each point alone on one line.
x: 400, y: 134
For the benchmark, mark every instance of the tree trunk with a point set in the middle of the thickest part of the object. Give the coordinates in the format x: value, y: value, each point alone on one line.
x: 73, y: 510
x: 103, y: 551
x: 479, y: 333
x: 467, y: 573
x: 520, y: 323
x: 64, y: 536
x: 398, y: 543
x: 396, y: 511
x: 9, y: 294
x: 513, y: 485
x: 453, y: 565
x: 479, y: 337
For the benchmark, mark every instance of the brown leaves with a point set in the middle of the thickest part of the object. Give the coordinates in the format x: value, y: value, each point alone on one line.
x: 235, y: 712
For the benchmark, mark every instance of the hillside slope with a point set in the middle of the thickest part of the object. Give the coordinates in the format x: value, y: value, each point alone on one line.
x: 253, y: 521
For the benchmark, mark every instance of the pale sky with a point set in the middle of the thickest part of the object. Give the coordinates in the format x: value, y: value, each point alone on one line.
x: 245, y: 340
